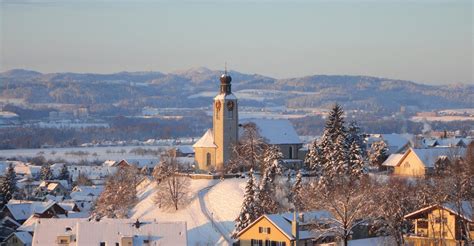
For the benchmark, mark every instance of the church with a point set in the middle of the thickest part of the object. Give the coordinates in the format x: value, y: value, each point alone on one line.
x: 214, y: 149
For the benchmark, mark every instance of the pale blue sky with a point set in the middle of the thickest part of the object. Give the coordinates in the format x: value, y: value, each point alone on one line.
x: 425, y: 41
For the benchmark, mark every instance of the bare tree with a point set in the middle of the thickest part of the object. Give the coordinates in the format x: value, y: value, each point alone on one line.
x: 173, y: 188
x: 119, y: 194
x: 349, y: 203
x: 248, y: 152
x: 394, y: 199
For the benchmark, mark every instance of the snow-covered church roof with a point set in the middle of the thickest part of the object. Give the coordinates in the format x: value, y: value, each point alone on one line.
x: 207, y: 140
x: 275, y: 131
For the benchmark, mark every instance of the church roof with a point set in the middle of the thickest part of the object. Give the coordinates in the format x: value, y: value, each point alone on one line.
x: 207, y: 140
x: 276, y: 131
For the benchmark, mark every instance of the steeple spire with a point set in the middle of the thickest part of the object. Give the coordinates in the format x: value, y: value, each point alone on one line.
x: 225, y: 82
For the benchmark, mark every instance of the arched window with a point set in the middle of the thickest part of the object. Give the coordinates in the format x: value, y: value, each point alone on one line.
x: 208, y: 159
x: 290, y: 156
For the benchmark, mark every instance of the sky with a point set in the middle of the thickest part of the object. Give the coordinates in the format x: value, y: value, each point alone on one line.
x: 428, y: 41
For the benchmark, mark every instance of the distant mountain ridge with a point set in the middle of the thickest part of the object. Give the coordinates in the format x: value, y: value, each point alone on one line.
x: 179, y: 89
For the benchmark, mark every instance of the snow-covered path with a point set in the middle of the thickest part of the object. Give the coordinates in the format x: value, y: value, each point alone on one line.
x: 202, y: 193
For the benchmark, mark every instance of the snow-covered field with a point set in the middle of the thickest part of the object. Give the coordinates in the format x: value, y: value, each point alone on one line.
x: 75, y: 154
x: 442, y: 118
x: 223, y: 201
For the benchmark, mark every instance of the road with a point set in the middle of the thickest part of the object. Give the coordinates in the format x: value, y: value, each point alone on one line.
x: 209, y: 216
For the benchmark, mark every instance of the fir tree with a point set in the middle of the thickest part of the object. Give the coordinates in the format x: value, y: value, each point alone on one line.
x: 272, y: 162
x: 378, y: 154
x: 356, y: 161
x: 296, y: 192
x: 333, y: 146
x: 64, y: 173
x: 248, y: 212
x: 46, y: 173
x: 8, y: 185
x: 354, y: 135
x: 314, y: 158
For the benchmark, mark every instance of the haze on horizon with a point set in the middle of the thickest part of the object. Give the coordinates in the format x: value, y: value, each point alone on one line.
x: 424, y: 41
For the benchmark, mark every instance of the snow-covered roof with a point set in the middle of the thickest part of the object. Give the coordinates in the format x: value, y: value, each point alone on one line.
x: 22, y: 210
x: 395, y: 142
x: 24, y: 237
x: 29, y: 224
x: 392, y: 160
x: 207, y: 140
x: 431, y: 155
x: 92, y: 232
x: 67, y: 205
x: 86, y: 193
x: 275, y: 131
x: 185, y: 149
x: 223, y: 96
x: 109, y: 163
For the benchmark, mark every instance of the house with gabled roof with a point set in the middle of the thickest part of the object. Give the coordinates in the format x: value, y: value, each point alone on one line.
x: 441, y: 224
x: 283, y: 229
x: 20, y: 210
x: 421, y: 162
x: 19, y: 238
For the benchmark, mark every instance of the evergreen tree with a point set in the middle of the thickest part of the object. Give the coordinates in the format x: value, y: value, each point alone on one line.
x: 8, y: 185
x: 296, y: 192
x: 272, y: 161
x: 314, y: 158
x: 356, y: 161
x: 378, y: 154
x: 46, y: 173
x: 64, y: 173
x: 248, y: 212
x: 354, y: 135
x: 333, y: 146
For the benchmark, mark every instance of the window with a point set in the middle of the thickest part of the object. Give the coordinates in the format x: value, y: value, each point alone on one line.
x: 439, y: 220
x: 62, y: 241
x: 290, y: 156
x: 208, y: 159
x: 102, y: 244
x: 254, y: 242
x: 264, y: 230
x: 422, y: 224
x: 117, y: 244
x: 146, y: 241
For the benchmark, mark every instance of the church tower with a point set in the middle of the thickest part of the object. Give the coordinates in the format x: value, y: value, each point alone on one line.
x: 214, y: 149
x: 225, y: 121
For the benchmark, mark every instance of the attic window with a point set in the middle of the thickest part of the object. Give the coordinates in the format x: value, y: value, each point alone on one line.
x: 68, y: 229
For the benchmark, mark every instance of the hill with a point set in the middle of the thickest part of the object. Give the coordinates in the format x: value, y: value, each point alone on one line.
x: 194, y: 87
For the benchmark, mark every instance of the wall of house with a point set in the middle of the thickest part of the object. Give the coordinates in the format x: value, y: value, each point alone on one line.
x: 441, y: 224
x: 201, y: 158
x: 253, y: 233
x: 411, y: 165
x: 14, y: 241
x: 285, y: 150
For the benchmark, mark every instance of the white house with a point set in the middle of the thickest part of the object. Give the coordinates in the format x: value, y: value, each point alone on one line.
x: 108, y: 232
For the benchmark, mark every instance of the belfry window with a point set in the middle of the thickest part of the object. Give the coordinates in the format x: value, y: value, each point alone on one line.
x: 208, y: 159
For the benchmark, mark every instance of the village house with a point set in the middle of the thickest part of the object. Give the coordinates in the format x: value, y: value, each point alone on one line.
x: 396, y: 143
x: 85, y: 196
x: 445, y: 224
x: 19, y: 238
x: 20, y: 210
x: 118, y: 232
x: 421, y: 162
x: 54, y: 188
x: 286, y: 230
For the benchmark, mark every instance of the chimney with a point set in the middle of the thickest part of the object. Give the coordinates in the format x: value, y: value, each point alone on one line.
x: 301, y: 217
x: 295, y: 229
x: 137, y: 224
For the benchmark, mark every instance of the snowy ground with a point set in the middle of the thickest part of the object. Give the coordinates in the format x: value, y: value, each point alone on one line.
x: 222, y: 200
x: 100, y: 153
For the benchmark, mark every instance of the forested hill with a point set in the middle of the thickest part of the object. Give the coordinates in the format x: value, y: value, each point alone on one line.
x: 192, y: 88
